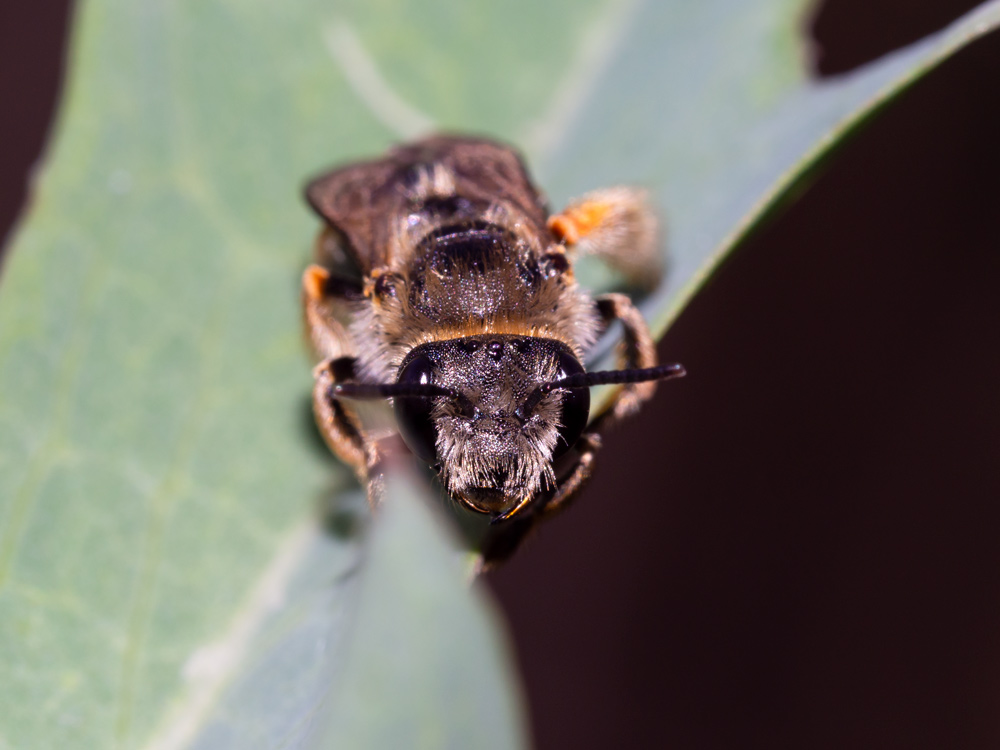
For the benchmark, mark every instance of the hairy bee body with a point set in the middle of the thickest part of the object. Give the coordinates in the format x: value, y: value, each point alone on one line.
x: 442, y: 282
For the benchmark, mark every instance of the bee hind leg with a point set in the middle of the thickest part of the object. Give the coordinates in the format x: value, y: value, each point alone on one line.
x: 327, y: 304
x: 618, y: 226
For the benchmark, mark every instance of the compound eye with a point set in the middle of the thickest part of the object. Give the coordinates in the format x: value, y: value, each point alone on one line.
x: 575, y: 406
x: 413, y: 415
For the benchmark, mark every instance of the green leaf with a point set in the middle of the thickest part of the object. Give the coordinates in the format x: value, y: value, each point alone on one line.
x: 406, y: 663
x: 163, y: 582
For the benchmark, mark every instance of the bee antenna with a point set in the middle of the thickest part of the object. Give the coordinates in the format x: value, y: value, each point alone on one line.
x: 370, y: 391
x: 616, y: 377
x: 604, y: 377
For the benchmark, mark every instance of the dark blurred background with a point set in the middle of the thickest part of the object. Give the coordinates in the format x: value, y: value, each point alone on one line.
x: 799, y: 544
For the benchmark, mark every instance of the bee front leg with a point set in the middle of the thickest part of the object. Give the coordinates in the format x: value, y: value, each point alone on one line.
x: 588, y: 446
x: 638, y: 351
x: 341, y: 428
x: 507, y: 538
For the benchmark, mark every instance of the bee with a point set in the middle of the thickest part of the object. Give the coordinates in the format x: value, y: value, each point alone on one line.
x: 442, y: 283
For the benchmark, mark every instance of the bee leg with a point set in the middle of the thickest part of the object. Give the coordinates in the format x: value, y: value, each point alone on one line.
x: 504, y: 540
x: 618, y: 226
x: 588, y: 446
x: 327, y: 302
x: 638, y: 350
x: 370, y: 457
x: 339, y: 425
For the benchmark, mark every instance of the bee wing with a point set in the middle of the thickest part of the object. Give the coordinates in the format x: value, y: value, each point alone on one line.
x: 365, y: 201
x: 482, y: 169
x: 356, y: 201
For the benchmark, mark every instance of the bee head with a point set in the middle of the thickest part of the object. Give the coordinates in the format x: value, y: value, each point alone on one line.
x: 492, y: 412
x: 493, y: 437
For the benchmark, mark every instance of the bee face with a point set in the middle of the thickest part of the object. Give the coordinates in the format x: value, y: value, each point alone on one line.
x: 494, y: 445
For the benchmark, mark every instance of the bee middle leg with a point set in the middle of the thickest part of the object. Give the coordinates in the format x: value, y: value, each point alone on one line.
x: 638, y: 351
